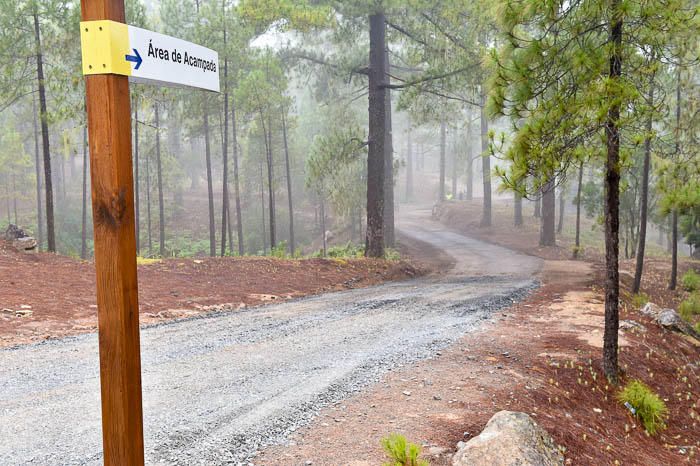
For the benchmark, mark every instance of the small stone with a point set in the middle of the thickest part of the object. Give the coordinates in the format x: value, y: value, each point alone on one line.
x: 437, y: 397
x: 309, y: 463
x: 407, y: 393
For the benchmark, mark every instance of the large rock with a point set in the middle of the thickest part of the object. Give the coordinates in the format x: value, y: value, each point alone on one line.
x: 26, y: 244
x: 14, y: 232
x: 510, y: 439
x: 670, y: 319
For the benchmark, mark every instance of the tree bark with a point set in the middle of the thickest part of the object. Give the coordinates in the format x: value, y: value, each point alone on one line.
x: 547, y: 224
x: 262, y: 204
x: 210, y: 184
x: 159, y: 172
x: 267, y: 136
x: 292, y: 245
x: 409, y: 165
x: 518, y: 210
x: 644, y: 199
x: 374, y: 242
x: 577, y: 248
x: 443, y: 156
x: 43, y: 115
x: 612, y: 204
x: 454, y: 169
x: 224, y: 147
x: 485, y: 163
x: 389, y: 235
x: 562, y: 210
x: 323, y: 226
x: 674, y: 251
x: 236, y: 184
x: 148, y: 206
x: 37, y: 174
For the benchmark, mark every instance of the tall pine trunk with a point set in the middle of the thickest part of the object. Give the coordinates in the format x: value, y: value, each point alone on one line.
x: 210, y: 184
x: 612, y: 203
x: 443, y: 157
x: 470, y: 161
x: 409, y: 165
x: 236, y: 184
x: 674, y: 214
x: 485, y: 163
x: 37, y: 174
x: 262, y: 204
x: 644, y: 198
x: 577, y: 246
x: 374, y: 243
x: 548, y: 220
x: 389, y: 235
x: 454, y: 169
x: 562, y: 210
x: 43, y: 115
x: 518, y: 209
x: 292, y: 245
x: 159, y: 171
x: 148, y: 206
x: 267, y: 136
x: 224, y: 148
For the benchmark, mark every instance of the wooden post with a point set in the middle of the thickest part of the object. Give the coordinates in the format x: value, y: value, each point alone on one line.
x: 109, y: 125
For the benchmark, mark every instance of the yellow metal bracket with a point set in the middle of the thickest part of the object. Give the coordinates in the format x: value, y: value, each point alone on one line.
x: 104, y: 46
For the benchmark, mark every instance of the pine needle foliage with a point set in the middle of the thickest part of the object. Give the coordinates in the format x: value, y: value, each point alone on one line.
x: 402, y: 452
x: 649, y: 408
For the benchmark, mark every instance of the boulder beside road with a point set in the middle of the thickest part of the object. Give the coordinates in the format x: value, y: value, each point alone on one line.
x: 509, y: 439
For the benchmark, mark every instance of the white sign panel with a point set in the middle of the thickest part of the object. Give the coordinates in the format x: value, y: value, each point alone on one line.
x: 147, y: 56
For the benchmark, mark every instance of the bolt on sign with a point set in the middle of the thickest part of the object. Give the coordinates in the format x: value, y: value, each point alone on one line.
x: 109, y: 47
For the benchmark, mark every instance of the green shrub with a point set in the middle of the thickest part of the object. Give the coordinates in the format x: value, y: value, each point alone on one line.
x: 691, y: 281
x: 639, y: 300
x: 280, y: 251
x: 391, y: 254
x: 649, y: 408
x: 346, y: 251
x: 690, y: 307
x: 401, y: 452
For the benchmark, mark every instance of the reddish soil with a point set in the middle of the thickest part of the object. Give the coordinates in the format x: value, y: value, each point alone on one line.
x: 543, y: 357
x: 60, y: 291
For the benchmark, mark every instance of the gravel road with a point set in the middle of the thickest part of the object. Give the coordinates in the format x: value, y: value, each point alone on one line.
x: 217, y: 389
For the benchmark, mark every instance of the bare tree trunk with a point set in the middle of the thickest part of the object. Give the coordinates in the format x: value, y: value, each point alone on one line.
x: 43, y: 115
x: 210, y: 185
x: 148, y: 206
x: 443, y: 156
x: 547, y: 235
x: 577, y: 248
x: 454, y: 168
x: 538, y: 205
x: 674, y: 251
x: 137, y: 201
x: 224, y: 148
x: 14, y: 199
x: 389, y: 235
x: 674, y: 214
x: 37, y: 174
x: 470, y: 163
x: 236, y: 184
x: 292, y: 245
x: 83, y: 231
x: 485, y: 163
x: 518, y: 210
x: 644, y: 199
x: 262, y: 203
x: 409, y: 165
x: 562, y: 210
x: 159, y: 171
x: 267, y: 135
x: 374, y: 246
x: 612, y: 205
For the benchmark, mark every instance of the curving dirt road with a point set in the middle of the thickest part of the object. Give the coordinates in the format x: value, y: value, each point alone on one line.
x: 219, y: 388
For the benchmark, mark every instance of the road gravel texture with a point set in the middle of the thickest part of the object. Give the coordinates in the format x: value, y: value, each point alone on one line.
x: 217, y: 389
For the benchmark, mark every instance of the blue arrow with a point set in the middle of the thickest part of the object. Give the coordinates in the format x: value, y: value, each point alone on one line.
x: 135, y: 59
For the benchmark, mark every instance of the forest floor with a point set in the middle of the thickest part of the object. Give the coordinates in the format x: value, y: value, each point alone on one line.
x: 543, y: 358
x: 44, y: 296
